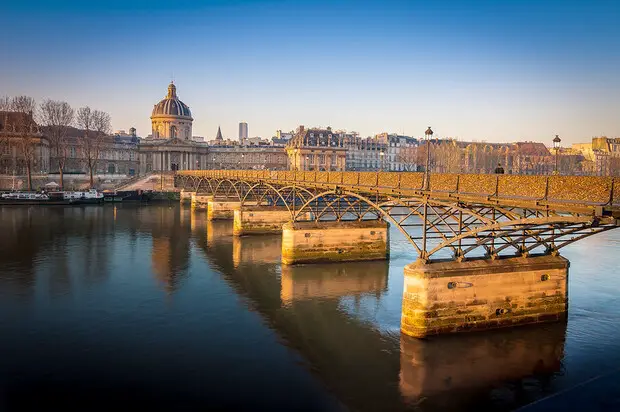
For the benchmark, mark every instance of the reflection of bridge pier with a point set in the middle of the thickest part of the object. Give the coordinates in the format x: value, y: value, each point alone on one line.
x: 348, y: 354
x: 447, y: 372
x: 332, y: 281
x: 256, y: 250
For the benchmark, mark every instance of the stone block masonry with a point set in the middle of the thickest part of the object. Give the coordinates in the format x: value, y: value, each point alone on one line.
x: 257, y: 220
x: 331, y: 241
x: 448, y: 297
x: 222, y: 209
x: 186, y: 197
x: 200, y: 201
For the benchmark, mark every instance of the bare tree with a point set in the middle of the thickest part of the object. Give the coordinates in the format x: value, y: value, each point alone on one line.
x: 411, y: 157
x: 57, y: 116
x: 5, y: 107
x: 96, y: 125
x: 26, y: 130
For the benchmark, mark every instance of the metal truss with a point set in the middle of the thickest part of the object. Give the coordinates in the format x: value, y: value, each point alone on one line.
x: 437, y: 229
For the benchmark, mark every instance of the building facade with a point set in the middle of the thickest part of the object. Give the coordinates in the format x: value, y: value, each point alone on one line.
x: 22, y: 145
x: 317, y: 149
x: 170, y: 146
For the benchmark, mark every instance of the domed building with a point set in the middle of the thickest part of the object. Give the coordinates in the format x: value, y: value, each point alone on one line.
x: 171, y: 118
x: 170, y: 146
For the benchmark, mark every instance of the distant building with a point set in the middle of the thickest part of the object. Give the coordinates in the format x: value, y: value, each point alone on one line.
x: 170, y: 146
x: 20, y: 134
x: 284, y: 135
x: 243, y: 131
x: 247, y: 157
x: 316, y: 149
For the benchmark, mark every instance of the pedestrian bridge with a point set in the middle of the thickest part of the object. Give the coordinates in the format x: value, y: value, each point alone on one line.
x: 466, y: 214
x: 487, y: 245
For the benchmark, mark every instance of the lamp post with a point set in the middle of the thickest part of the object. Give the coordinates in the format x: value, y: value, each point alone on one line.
x: 242, y: 163
x: 295, y: 160
x: 556, y: 146
x: 213, y: 162
x: 382, y: 154
x: 429, y: 134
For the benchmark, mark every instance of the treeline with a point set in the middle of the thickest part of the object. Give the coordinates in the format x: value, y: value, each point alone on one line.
x: 25, y: 122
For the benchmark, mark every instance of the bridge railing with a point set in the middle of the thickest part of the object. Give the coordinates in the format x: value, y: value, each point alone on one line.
x: 590, y: 190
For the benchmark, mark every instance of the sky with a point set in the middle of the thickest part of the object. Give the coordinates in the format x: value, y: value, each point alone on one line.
x: 475, y: 70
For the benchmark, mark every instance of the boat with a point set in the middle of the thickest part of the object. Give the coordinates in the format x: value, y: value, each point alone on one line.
x: 91, y: 196
x: 32, y: 198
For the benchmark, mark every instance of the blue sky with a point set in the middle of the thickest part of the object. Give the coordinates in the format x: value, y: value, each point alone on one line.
x: 476, y: 70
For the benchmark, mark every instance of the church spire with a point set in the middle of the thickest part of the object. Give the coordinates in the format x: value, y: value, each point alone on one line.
x: 219, y: 134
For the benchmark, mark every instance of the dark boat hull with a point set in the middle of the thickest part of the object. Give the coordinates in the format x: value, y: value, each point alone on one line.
x: 127, y: 196
x: 87, y: 201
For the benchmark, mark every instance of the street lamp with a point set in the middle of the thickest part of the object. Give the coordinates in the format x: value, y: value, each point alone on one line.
x: 556, y: 146
x: 382, y: 154
x: 429, y: 134
x: 213, y: 159
x: 295, y: 160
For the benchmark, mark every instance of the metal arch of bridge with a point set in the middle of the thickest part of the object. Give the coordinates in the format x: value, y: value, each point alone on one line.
x: 496, y: 221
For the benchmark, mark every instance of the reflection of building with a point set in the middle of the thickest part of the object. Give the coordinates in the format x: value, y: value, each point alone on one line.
x: 449, y: 371
x: 333, y: 281
x: 171, y: 248
x: 170, y: 147
x: 316, y: 149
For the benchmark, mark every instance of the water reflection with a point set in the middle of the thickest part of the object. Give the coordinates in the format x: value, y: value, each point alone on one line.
x: 170, y: 252
x: 90, y: 279
x: 323, y: 281
x: 367, y: 369
x: 249, y: 250
x: 451, y: 372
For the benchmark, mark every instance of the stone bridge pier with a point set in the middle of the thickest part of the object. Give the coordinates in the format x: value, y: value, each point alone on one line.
x: 259, y: 220
x: 334, y: 241
x: 447, y: 297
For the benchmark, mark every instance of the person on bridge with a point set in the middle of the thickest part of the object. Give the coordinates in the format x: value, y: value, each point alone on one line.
x: 499, y: 170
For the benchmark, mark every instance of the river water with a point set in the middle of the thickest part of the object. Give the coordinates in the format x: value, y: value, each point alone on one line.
x: 154, y: 307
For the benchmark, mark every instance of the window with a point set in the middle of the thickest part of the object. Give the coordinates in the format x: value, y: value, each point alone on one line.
x: 322, y: 159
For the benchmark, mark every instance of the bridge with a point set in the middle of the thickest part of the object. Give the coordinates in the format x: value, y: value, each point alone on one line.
x: 487, y: 246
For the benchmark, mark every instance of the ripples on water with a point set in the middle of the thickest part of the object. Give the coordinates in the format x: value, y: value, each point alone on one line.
x: 100, y: 306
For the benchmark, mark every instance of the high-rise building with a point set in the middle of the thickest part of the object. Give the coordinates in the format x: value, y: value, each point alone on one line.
x: 243, y: 131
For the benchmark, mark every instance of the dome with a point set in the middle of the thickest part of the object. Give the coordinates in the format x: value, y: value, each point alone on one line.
x: 171, y: 105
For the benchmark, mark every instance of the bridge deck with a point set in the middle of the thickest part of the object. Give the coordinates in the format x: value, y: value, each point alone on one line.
x: 574, y: 194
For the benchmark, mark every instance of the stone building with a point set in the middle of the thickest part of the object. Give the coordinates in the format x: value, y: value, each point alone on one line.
x: 118, y: 154
x: 317, y: 149
x: 381, y: 152
x: 170, y: 146
x: 250, y: 157
x: 22, y: 142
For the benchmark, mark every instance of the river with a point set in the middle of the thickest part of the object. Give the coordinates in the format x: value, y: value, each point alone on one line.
x: 154, y: 307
